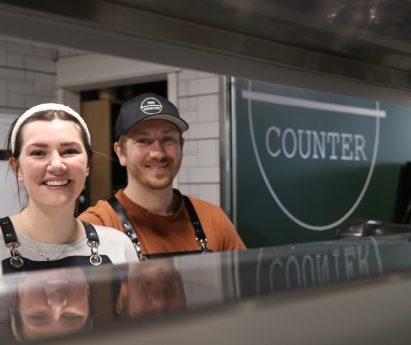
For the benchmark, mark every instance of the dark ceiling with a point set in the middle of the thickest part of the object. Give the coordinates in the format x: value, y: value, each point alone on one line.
x: 355, y: 39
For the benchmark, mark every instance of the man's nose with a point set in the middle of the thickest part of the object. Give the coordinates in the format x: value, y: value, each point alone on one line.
x: 157, y: 147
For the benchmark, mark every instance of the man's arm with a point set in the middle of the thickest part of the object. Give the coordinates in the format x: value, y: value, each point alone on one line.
x: 220, y: 232
x: 232, y: 240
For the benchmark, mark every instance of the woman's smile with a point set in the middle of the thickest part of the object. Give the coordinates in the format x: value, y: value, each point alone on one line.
x: 57, y: 183
x: 53, y: 159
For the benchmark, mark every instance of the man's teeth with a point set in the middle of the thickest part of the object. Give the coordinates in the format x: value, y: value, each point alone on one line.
x: 56, y: 183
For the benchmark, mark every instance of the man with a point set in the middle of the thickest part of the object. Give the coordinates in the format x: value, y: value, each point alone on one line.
x: 149, y: 143
x: 151, y: 288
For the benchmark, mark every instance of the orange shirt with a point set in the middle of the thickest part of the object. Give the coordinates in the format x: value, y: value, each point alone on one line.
x: 171, y: 233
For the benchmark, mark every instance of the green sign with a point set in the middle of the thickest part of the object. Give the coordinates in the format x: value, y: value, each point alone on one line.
x: 306, y: 162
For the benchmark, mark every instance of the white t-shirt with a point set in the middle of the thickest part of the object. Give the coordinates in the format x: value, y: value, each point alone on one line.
x: 115, y: 247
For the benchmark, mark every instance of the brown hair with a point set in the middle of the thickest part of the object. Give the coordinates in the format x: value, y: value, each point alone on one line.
x: 45, y: 115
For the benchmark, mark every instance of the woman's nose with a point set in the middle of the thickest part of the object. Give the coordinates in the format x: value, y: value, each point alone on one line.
x: 57, y: 301
x: 56, y: 164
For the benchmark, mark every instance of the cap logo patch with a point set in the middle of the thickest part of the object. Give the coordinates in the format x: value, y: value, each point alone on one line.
x: 151, y: 106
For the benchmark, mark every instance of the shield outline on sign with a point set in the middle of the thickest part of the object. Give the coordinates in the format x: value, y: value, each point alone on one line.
x: 250, y: 96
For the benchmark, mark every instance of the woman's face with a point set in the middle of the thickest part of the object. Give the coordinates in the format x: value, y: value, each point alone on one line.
x: 53, y: 302
x: 53, y: 162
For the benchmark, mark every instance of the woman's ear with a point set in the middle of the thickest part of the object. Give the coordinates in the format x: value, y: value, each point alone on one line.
x: 12, y: 163
x: 15, y: 167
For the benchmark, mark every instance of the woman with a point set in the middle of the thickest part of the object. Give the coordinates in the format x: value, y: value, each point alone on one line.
x: 50, y: 303
x: 51, y: 151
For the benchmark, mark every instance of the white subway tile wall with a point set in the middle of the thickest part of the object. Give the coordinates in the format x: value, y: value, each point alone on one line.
x: 3, y: 92
x: 208, y: 150
x: 3, y: 54
x: 27, y: 75
x: 198, y: 102
x: 203, y: 130
x: 209, y: 192
x: 44, y: 84
x: 15, y: 60
x: 198, y: 86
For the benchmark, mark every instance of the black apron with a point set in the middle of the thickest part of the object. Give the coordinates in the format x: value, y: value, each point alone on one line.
x: 131, y: 233
x: 17, y: 263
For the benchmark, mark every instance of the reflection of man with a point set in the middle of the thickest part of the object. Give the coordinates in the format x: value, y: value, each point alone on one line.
x: 50, y: 303
x: 149, y: 144
x: 152, y: 287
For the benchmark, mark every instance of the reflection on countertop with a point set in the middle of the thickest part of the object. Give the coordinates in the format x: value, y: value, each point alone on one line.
x: 55, y: 303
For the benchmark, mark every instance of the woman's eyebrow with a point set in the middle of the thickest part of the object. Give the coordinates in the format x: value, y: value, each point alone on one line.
x: 70, y: 143
x: 40, y: 144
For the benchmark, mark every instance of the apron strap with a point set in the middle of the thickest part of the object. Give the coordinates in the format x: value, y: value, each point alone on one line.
x: 11, y: 242
x: 129, y: 229
x: 198, y: 229
x: 127, y: 226
x: 93, y: 242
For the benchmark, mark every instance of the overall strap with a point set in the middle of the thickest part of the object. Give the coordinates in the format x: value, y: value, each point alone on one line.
x: 127, y: 226
x: 93, y: 242
x: 198, y: 229
x: 130, y: 231
x: 7, y: 229
x: 11, y: 242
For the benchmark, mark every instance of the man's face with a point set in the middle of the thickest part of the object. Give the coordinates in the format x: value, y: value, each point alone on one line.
x: 154, y: 286
x: 152, y: 153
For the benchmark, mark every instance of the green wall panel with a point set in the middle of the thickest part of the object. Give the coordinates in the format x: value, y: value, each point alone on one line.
x: 307, y: 162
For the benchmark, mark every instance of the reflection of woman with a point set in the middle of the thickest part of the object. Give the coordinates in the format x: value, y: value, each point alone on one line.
x: 50, y: 149
x: 151, y: 287
x: 50, y: 303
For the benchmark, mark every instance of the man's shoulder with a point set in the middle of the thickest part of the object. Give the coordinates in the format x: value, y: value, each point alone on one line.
x: 202, y: 205
x: 100, y: 206
x: 98, y: 214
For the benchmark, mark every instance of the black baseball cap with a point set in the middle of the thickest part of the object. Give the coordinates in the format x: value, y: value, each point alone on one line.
x: 147, y: 106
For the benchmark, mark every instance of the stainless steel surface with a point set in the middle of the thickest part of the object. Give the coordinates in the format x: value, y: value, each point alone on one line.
x: 355, y: 39
x: 234, y: 153
x: 349, y: 314
x: 341, y: 291
x: 371, y: 227
x: 226, y: 158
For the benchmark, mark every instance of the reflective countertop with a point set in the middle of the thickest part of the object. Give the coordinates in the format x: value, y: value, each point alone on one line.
x: 52, y: 305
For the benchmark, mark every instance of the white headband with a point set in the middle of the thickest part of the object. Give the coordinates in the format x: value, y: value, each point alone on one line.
x: 44, y: 107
